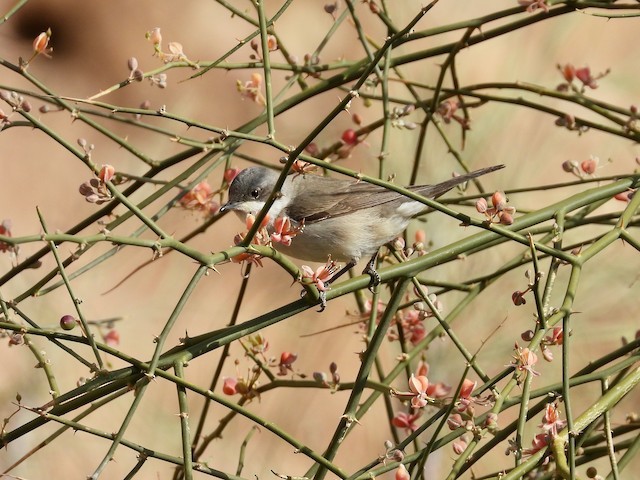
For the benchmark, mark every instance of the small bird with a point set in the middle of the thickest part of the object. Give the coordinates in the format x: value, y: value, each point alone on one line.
x: 345, y: 219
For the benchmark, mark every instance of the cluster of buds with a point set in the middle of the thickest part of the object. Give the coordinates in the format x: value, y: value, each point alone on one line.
x: 397, y: 115
x: 569, y: 122
x: 175, y: 53
x: 533, y: 5
x: 135, y: 73
x: 311, y: 61
x: 16, y: 101
x: 200, y: 198
x: 258, y: 345
x: 447, y: 110
x: 556, y: 337
x: 283, y: 231
x: 585, y: 169
x: 272, y: 45
x: 464, y: 416
x: 550, y: 426
x: 96, y: 190
x: 417, y: 248
x: 323, y: 379
x: 252, y: 89
x: 584, y: 75
x: 260, y: 238
x: 411, y: 321
x: 499, y: 212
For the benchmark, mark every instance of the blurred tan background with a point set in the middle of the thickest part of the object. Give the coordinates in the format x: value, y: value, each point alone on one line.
x: 92, y: 42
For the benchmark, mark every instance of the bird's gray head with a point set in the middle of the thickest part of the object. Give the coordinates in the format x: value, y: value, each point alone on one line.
x: 250, y: 189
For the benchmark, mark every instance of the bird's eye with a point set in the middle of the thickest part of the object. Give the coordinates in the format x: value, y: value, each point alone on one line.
x: 255, y: 193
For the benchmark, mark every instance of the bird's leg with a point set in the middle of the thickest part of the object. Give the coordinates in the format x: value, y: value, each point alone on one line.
x: 370, y: 269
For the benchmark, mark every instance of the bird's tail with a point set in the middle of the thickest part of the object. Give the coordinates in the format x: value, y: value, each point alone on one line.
x: 434, y: 191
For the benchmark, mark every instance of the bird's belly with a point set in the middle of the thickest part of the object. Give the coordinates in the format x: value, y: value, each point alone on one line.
x: 346, y: 238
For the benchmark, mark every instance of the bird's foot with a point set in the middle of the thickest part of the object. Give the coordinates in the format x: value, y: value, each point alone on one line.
x: 370, y: 270
x: 321, y: 295
x: 375, y: 277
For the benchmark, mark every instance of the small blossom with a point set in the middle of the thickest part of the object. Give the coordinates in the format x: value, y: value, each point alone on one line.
x: 625, y: 196
x: 524, y: 360
x: 556, y: 337
x: 533, y: 5
x: 459, y: 445
x: 584, y: 75
x: 41, y: 44
x: 423, y: 368
x: 302, y: 168
x: 258, y: 344
x: 468, y: 386
x: 438, y: 390
x: 272, y: 43
x: 154, y: 36
x: 447, y: 111
x: 491, y: 421
x: 418, y: 386
x: 551, y: 422
x: 589, y: 166
x: 321, y: 275
x: 106, y: 173
x: 539, y: 442
x: 230, y: 174
x: 517, y: 298
x: 112, y: 338
x: 286, y: 360
x: 252, y: 89
x: 200, y: 198
x: 407, y: 421
x: 229, y: 385
x: 284, y: 231
x: 455, y: 421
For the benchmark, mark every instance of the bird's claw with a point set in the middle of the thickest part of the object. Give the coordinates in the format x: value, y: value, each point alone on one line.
x: 321, y: 295
x: 375, y: 278
x: 323, y: 301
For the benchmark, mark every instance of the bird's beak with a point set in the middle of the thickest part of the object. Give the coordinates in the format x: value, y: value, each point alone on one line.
x: 226, y: 207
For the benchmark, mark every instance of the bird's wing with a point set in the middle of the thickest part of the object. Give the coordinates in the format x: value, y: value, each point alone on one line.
x: 347, y: 196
